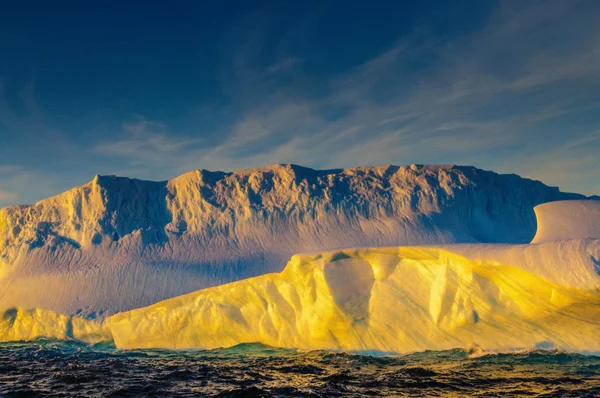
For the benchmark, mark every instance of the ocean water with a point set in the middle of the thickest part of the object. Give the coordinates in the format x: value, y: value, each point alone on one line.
x: 52, y: 368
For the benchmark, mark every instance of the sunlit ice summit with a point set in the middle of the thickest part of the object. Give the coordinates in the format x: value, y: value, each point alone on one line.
x: 399, y: 259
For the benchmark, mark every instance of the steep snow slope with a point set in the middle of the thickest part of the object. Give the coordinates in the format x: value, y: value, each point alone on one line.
x: 386, y: 299
x: 115, y: 244
x: 567, y: 220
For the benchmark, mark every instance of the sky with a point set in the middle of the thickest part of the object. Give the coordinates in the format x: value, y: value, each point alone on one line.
x: 154, y: 90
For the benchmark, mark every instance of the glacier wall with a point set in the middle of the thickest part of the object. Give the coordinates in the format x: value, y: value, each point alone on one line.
x: 17, y: 324
x: 116, y: 244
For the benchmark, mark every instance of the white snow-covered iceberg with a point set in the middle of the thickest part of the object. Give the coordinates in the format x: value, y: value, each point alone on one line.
x: 400, y: 299
x: 117, y: 244
x: 381, y: 299
x: 386, y: 299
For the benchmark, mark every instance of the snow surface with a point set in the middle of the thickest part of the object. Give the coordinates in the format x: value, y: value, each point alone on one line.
x: 563, y: 220
x: 117, y: 244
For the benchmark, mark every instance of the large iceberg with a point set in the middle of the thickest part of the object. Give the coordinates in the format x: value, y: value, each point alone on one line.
x: 390, y: 299
x: 380, y: 299
x: 116, y: 244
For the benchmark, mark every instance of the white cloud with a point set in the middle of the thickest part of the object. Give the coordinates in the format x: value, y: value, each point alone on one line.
x: 143, y: 139
x: 488, y: 94
x: 499, y: 98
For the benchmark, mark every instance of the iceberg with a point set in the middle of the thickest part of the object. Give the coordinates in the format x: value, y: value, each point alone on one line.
x: 17, y: 324
x: 116, y: 244
x: 400, y: 299
x: 386, y: 299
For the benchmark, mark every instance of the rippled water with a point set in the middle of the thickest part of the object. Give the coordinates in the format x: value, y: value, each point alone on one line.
x: 68, y: 369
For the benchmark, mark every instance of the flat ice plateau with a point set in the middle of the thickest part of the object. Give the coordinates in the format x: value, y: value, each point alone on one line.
x: 116, y: 244
x: 383, y: 299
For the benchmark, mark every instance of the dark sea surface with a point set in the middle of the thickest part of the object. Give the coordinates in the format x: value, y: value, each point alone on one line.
x: 50, y: 368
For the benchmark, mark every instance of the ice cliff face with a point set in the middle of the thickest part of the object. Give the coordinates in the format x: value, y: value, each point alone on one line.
x: 116, y: 243
x: 574, y: 219
x: 383, y: 299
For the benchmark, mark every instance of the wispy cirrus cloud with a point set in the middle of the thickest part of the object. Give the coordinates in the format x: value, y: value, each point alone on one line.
x: 32, y: 149
x: 144, y: 139
x: 147, y: 149
x: 496, y: 98
x: 522, y: 86
x: 519, y: 93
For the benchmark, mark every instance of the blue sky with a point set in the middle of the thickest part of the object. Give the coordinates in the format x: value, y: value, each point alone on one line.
x: 152, y: 91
